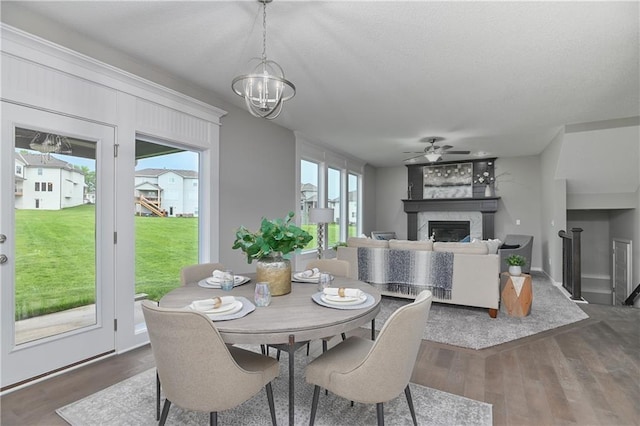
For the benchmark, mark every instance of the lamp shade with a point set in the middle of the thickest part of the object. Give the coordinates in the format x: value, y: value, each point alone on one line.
x: 318, y: 215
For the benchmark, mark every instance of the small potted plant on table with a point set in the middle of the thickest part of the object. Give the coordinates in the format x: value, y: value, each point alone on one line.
x: 516, y: 262
x: 274, y: 239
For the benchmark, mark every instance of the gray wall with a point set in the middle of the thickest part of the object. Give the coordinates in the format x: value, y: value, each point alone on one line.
x: 391, y: 189
x: 595, y: 240
x: 518, y: 185
x: 553, y: 209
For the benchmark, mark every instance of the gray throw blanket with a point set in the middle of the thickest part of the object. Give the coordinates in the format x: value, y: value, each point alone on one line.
x: 407, y: 271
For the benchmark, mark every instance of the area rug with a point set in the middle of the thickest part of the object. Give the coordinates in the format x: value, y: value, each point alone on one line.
x: 473, y: 328
x: 132, y: 402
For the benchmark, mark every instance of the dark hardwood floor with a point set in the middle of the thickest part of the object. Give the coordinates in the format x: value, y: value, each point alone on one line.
x: 586, y: 373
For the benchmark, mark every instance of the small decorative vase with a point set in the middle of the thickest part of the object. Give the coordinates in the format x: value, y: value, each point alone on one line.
x: 277, y: 272
x: 487, y: 191
x: 514, y: 270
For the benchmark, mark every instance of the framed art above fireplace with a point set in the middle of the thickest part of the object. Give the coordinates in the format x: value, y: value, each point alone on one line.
x: 451, y: 179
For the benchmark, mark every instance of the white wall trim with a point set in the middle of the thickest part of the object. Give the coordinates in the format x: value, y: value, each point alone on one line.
x: 41, y: 51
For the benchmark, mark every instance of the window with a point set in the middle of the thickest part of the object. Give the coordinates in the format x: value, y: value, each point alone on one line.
x: 37, y: 188
x: 308, y: 197
x: 18, y: 169
x: 329, y: 180
x: 40, y: 171
x: 49, y: 186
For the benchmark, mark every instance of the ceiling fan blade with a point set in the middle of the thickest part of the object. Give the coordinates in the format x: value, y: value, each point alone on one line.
x: 417, y: 156
x: 445, y: 147
x: 413, y: 152
x: 457, y: 152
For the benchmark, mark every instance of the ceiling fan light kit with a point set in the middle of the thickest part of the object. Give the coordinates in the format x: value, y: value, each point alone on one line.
x: 434, y: 152
x: 265, y: 88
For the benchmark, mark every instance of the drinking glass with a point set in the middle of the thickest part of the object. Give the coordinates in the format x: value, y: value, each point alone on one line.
x: 227, y: 280
x: 323, y: 281
x: 262, y: 295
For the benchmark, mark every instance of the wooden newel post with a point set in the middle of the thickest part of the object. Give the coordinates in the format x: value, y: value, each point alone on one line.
x: 576, y: 271
x: 571, y: 262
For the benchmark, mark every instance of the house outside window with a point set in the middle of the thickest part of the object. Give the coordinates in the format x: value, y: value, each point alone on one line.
x: 37, y: 187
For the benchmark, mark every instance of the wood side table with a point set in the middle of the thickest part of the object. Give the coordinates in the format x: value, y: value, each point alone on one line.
x: 516, y: 294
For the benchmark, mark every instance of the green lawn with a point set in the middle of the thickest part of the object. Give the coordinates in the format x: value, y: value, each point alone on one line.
x: 55, y: 256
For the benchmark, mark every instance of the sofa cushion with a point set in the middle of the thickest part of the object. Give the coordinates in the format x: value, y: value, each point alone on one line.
x: 366, y: 242
x: 478, y: 247
x: 426, y: 245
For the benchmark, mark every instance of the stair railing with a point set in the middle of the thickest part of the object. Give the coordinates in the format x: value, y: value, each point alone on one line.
x: 571, y: 262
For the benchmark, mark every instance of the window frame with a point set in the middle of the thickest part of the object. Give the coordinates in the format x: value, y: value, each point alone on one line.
x: 327, y: 158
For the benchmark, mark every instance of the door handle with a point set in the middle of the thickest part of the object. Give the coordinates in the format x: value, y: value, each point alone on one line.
x: 3, y: 258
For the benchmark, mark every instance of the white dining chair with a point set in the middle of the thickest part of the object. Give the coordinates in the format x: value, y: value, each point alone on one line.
x: 200, y: 271
x: 198, y: 370
x: 374, y: 372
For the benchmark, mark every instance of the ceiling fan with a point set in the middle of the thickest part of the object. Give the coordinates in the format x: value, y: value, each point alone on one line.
x: 433, y: 152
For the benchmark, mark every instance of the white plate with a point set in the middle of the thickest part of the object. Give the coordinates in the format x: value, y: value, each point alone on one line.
x: 224, y: 309
x: 211, y: 283
x: 247, y: 308
x: 317, y: 297
x: 235, y: 307
x: 336, y: 298
x: 339, y: 301
x: 302, y: 279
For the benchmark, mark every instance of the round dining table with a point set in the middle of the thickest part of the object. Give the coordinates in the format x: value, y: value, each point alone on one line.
x: 290, y: 321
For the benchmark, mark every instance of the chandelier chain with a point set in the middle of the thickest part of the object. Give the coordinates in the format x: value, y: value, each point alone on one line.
x: 264, y: 31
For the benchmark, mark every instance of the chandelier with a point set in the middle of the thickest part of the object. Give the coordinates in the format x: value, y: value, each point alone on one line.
x: 49, y: 143
x: 264, y: 89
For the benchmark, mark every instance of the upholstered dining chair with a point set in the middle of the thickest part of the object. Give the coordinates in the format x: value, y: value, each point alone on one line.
x: 338, y: 268
x: 198, y: 370
x: 374, y: 371
x: 335, y: 267
x: 195, y: 273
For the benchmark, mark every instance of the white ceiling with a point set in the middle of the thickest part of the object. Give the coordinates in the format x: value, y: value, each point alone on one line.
x: 374, y: 78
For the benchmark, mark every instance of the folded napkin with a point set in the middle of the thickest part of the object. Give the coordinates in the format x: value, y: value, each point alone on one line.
x: 210, y: 304
x: 218, y: 276
x: 310, y: 273
x: 343, y: 292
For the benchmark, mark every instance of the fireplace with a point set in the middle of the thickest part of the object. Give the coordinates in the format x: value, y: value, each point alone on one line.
x: 485, y: 207
x: 449, y: 230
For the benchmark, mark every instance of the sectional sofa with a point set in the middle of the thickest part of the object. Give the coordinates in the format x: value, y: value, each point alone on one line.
x: 474, y: 273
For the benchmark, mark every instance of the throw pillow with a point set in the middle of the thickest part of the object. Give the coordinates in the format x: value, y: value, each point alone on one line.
x: 493, y: 246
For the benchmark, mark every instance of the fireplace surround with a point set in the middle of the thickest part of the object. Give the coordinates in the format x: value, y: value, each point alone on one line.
x: 486, y: 206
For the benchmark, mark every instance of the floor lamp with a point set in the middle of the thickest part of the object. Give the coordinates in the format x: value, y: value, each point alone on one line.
x: 320, y: 217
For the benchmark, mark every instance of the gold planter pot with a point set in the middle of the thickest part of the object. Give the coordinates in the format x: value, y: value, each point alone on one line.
x: 277, y: 272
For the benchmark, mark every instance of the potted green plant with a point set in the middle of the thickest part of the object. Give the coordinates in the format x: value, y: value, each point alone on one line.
x: 516, y: 262
x: 275, y: 238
